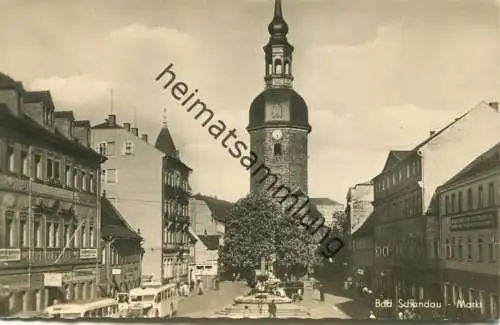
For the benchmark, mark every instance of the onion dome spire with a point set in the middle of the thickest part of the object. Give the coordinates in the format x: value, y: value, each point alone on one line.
x: 278, y: 26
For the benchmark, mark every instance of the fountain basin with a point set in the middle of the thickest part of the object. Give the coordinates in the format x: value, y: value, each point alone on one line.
x: 262, y: 298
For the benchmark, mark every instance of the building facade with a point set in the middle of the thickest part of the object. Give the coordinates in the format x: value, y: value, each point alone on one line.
x: 49, y: 202
x: 469, y: 206
x: 176, y: 194
x: 278, y: 117
x: 138, y: 180
x: 406, y: 232
x: 362, y: 254
x: 208, y: 214
x: 206, y: 259
x: 121, y: 252
x: 358, y: 210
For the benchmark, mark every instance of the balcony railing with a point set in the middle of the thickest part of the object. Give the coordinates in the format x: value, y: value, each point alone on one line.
x: 21, y: 184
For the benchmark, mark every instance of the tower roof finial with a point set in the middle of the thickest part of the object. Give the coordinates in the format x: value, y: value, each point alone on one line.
x: 164, y: 117
x: 278, y: 25
x: 277, y: 8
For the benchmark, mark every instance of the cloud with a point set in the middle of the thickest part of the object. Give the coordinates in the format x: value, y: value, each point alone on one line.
x: 75, y: 92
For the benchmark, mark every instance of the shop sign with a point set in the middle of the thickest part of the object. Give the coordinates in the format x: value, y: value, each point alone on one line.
x: 361, y: 271
x: 116, y: 271
x: 53, y: 279
x: 480, y: 221
x: 10, y: 254
x: 88, y: 253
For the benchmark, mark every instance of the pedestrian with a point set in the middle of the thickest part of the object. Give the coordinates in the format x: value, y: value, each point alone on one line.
x: 321, y: 293
x: 272, y: 309
x: 245, y: 312
x: 372, y: 315
x: 200, y: 288
x: 234, y: 276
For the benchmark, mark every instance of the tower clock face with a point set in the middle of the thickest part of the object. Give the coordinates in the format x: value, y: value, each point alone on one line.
x: 277, y: 134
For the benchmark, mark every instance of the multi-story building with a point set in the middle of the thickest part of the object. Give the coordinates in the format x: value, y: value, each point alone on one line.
x: 176, y: 192
x: 208, y: 214
x: 469, y: 206
x: 327, y: 207
x: 359, y: 205
x: 360, y: 241
x: 361, y: 253
x: 206, y: 259
x: 49, y: 202
x: 406, y: 233
x: 121, y: 252
x: 134, y: 180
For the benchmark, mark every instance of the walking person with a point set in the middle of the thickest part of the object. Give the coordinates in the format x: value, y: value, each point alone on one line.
x: 372, y: 315
x: 272, y: 309
x: 246, y: 312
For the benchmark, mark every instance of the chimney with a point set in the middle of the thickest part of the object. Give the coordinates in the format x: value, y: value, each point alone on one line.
x: 494, y: 105
x: 144, y: 137
x: 135, y: 131
x: 112, y: 119
x: 431, y: 133
x: 126, y: 126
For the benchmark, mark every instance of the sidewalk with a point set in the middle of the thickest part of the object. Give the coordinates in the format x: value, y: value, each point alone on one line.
x: 327, y: 309
x: 198, y: 306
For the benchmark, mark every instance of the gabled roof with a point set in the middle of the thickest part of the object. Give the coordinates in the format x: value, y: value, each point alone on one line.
x: 435, y: 134
x: 7, y: 82
x: 113, y: 224
x: 395, y: 157
x: 398, y: 155
x: 210, y: 241
x: 219, y: 208
x: 82, y: 124
x: 107, y: 125
x: 43, y: 96
x: 487, y: 161
x: 65, y: 114
x: 165, y: 143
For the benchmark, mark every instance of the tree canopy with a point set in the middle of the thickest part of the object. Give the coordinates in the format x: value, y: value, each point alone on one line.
x: 257, y: 227
x: 250, y: 232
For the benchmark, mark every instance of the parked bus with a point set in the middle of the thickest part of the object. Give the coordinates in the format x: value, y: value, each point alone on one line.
x: 95, y: 308
x: 154, y: 300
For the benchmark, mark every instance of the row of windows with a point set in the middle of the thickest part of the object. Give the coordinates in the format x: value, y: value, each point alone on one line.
x: 171, y: 235
x: 51, y: 234
x: 51, y: 169
x: 408, y: 171
x: 174, y: 208
x: 454, y: 203
x: 409, y: 206
x: 117, y: 258
x: 470, y: 250
x: 174, y: 178
x: 108, y: 148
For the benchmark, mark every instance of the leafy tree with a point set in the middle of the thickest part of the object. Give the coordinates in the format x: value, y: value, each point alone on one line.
x: 250, y: 233
x: 293, y: 247
x: 339, y: 224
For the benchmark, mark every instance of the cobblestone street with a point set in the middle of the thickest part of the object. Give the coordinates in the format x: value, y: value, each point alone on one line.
x: 199, y: 306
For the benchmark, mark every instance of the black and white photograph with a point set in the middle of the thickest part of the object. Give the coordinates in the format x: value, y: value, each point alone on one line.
x: 250, y: 159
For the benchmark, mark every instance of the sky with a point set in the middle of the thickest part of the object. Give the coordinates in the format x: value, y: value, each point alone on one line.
x: 377, y: 75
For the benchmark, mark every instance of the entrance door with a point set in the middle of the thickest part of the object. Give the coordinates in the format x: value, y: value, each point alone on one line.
x: 55, y: 294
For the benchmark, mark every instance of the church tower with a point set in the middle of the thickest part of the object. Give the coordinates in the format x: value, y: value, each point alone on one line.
x: 278, y: 119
